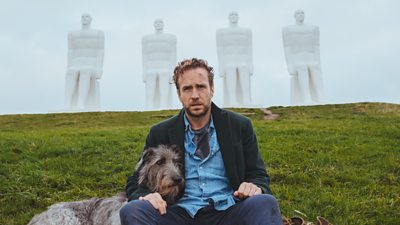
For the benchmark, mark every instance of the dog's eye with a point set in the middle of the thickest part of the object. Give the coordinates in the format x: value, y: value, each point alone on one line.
x: 160, y: 162
x: 178, y: 164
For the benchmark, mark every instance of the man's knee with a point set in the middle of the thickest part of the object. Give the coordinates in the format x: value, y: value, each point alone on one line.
x: 269, y: 199
x: 263, y: 201
x: 126, y: 210
x: 264, y: 210
x: 133, y: 209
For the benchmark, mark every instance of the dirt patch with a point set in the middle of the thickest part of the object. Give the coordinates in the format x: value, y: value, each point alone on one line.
x: 269, y: 115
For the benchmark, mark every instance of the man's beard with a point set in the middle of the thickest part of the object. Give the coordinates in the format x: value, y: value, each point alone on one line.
x: 198, y: 115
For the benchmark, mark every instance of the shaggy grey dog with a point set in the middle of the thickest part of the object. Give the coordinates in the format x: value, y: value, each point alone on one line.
x: 93, y: 211
x: 160, y: 170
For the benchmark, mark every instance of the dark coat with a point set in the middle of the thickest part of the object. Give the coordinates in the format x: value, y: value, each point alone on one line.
x: 237, y: 142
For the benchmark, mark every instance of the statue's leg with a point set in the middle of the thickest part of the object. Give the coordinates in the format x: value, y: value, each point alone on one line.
x: 244, y: 90
x: 230, y: 87
x: 165, y: 91
x: 97, y: 93
x: 303, y: 77
x: 71, y: 88
x: 295, y: 94
x: 84, y: 87
x: 316, y: 85
x: 151, y: 90
x: 93, y: 99
x: 225, y: 91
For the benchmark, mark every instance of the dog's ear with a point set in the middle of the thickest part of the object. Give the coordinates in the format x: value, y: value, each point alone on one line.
x: 147, y: 154
x: 146, y: 157
x: 176, y: 149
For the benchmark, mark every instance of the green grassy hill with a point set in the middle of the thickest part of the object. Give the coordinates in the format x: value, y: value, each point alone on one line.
x: 338, y: 161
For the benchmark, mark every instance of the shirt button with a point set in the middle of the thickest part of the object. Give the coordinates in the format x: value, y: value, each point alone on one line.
x: 203, y: 184
x: 201, y: 167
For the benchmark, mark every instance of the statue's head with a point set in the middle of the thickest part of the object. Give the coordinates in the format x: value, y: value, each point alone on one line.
x: 233, y: 17
x: 299, y: 15
x: 86, y: 19
x: 158, y: 24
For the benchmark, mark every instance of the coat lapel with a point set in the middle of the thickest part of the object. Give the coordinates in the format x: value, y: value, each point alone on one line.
x: 224, y: 135
x: 177, y: 133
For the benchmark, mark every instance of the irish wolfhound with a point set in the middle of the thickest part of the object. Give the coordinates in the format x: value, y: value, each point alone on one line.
x: 86, y: 212
x: 160, y: 170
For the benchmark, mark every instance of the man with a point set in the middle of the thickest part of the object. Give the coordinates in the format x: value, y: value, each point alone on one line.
x: 235, y: 56
x: 159, y: 59
x: 301, y: 45
x: 226, y: 180
x: 84, y: 67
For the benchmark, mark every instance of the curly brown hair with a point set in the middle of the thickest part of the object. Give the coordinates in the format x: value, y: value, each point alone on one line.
x: 189, y: 64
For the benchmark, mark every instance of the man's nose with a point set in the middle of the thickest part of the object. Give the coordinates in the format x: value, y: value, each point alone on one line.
x: 195, y: 94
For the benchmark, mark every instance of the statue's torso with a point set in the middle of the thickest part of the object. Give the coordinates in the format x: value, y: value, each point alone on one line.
x: 158, y: 51
x: 234, y: 45
x: 301, y: 40
x: 85, y: 47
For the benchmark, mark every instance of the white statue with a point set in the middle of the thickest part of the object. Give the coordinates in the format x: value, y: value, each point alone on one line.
x: 301, y: 45
x: 235, y: 56
x: 84, y: 67
x: 159, y: 59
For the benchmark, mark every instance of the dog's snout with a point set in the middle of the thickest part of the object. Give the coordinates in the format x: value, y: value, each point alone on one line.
x: 177, y: 179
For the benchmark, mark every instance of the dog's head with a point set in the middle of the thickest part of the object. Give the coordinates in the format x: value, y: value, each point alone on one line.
x: 161, y: 170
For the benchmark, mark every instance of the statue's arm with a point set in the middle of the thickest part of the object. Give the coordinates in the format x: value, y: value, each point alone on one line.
x: 70, y: 51
x: 317, y: 50
x: 220, y: 56
x: 144, y: 59
x: 100, y: 56
x: 173, y: 57
x: 287, y: 51
x: 250, y: 63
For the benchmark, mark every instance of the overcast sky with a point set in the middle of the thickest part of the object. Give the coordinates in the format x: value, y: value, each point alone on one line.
x: 359, y: 42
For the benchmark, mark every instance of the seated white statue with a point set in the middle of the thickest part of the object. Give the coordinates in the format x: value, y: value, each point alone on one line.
x: 301, y: 46
x: 84, y: 67
x: 235, y: 57
x: 159, y: 59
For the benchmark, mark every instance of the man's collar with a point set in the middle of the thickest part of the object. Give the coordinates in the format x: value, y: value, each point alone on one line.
x: 187, y: 124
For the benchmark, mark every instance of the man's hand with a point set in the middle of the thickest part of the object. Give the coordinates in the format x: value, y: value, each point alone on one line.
x: 247, y: 190
x: 156, y: 201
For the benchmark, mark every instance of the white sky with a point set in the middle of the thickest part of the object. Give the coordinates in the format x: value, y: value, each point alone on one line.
x: 360, y: 47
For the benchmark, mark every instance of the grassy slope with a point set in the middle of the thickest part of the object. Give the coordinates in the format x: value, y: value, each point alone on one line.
x: 338, y: 161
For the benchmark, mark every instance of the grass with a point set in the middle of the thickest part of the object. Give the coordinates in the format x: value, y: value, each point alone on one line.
x: 341, y: 162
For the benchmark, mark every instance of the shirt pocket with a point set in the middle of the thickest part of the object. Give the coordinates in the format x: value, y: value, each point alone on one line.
x: 216, y: 166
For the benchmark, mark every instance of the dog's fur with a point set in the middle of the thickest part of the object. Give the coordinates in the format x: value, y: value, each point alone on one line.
x: 87, y: 212
x: 160, y: 170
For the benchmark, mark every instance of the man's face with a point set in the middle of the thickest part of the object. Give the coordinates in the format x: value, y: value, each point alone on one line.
x: 86, y: 19
x: 195, y: 92
x: 234, y: 17
x: 158, y: 24
x: 299, y: 15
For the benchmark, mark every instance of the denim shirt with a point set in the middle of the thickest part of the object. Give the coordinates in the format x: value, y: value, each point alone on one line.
x: 206, y: 181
